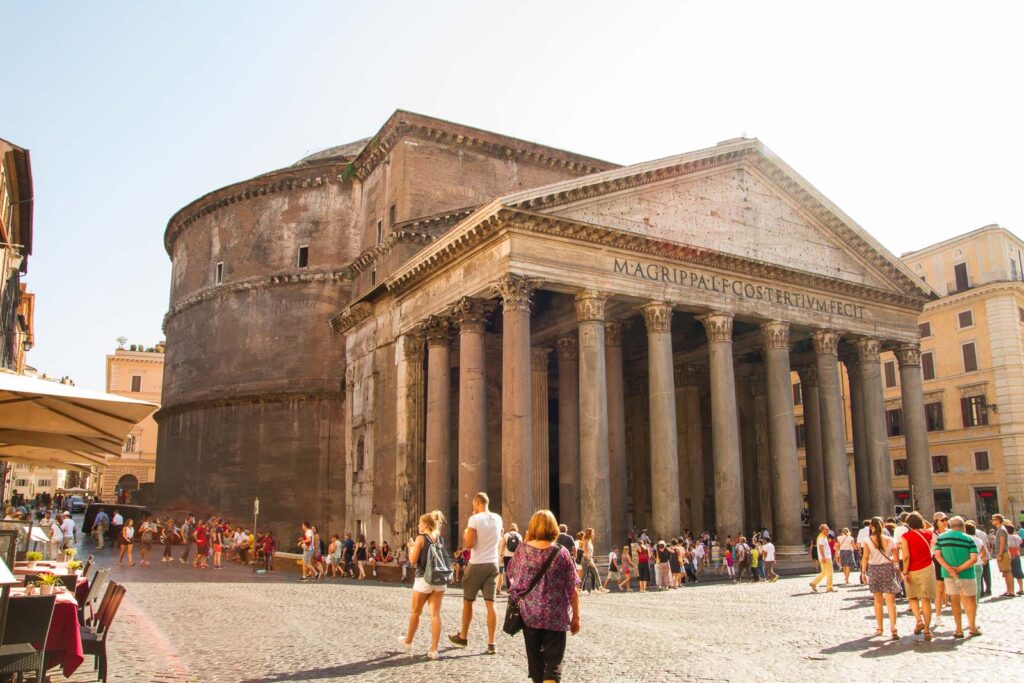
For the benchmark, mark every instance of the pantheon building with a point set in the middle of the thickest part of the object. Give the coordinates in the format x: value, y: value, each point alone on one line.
x: 389, y: 326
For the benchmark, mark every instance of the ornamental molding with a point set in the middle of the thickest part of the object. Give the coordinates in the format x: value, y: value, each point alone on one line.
x: 909, y: 356
x: 539, y: 359
x: 1013, y: 287
x: 808, y: 375
x: 248, y: 399
x: 590, y: 306
x: 977, y: 389
x: 412, y: 347
x: 718, y: 326
x: 470, y: 315
x: 933, y: 396
x: 613, y: 333
x: 516, y: 291
x: 350, y: 317
x: 894, y: 403
x: 868, y: 351
x: 776, y: 335
x: 334, y: 277
x: 657, y: 317
x: 567, y: 348
x: 403, y: 124
x: 438, y: 330
x: 495, y: 220
x: 826, y: 342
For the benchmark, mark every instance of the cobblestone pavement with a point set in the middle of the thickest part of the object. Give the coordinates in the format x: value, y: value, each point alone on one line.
x: 182, y: 624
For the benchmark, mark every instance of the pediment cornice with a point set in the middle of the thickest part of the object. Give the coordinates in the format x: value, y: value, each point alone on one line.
x: 475, y: 233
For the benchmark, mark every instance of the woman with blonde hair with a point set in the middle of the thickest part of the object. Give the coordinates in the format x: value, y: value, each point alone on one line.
x: 422, y: 592
x: 543, y: 580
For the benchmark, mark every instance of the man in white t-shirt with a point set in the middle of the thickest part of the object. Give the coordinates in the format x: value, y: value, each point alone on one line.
x: 768, y: 553
x: 483, y: 534
x: 67, y: 527
x: 824, y: 551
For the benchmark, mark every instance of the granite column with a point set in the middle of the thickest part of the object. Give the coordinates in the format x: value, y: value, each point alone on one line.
x: 664, y: 438
x: 915, y: 428
x: 470, y: 317
x: 617, y: 478
x: 438, y: 456
x: 567, y: 350
x: 833, y: 431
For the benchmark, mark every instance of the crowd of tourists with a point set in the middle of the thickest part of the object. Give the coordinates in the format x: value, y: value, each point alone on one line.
x: 933, y: 564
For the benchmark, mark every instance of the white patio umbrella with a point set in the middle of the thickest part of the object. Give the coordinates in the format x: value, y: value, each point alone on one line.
x: 42, y: 420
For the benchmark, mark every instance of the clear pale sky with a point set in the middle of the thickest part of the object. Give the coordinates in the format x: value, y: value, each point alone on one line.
x: 907, y: 115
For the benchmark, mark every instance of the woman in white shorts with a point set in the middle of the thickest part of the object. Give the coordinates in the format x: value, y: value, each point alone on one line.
x: 423, y: 592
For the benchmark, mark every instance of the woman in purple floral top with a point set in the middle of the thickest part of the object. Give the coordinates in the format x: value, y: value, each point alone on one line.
x: 553, y: 606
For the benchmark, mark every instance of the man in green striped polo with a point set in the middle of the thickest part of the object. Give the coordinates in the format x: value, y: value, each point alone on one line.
x: 956, y: 552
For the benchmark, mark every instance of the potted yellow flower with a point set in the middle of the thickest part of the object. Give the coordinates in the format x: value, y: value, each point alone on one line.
x: 47, y: 583
x: 32, y: 557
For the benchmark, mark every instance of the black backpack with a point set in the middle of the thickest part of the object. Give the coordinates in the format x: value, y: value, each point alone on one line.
x: 513, y: 541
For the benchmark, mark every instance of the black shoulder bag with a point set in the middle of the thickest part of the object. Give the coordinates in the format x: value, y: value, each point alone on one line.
x: 513, y: 619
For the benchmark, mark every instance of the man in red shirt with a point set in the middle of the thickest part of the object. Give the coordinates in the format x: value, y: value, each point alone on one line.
x: 918, y: 572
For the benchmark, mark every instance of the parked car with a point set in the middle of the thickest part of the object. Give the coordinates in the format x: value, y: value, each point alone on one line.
x: 76, y: 504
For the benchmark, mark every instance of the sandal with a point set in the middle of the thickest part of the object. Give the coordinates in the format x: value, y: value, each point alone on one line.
x: 895, y: 635
x: 975, y: 632
x: 878, y: 632
x: 927, y: 635
x: 919, y: 628
x: 958, y: 634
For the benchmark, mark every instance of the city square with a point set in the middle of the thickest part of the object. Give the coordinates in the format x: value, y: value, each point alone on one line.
x: 361, y: 309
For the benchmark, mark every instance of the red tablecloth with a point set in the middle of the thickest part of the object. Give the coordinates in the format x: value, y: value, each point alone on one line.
x: 64, y: 641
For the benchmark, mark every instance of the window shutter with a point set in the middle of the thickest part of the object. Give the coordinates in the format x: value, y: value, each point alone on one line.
x: 965, y: 410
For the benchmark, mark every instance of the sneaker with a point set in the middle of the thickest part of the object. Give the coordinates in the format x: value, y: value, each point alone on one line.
x: 406, y: 647
x: 456, y: 641
x: 491, y: 649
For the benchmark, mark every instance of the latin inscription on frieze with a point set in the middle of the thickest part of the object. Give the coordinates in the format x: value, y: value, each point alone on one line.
x: 739, y: 288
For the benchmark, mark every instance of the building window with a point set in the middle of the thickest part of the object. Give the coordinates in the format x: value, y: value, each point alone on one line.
x: 894, y: 421
x: 960, y: 273
x: 940, y: 464
x: 1020, y: 312
x: 925, y: 329
x: 393, y: 215
x: 373, y: 277
x: 975, y: 411
x: 130, y: 444
x: 303, y: 256
x: 360, y: 459
x: 801, y: 435
x: 43, y: 483
x: 218, y: 275
x: 928, y: 365
x: 798, y: 394
x: 902, y: 498
x: 970, y: 357
x: 21, y: 482
x: 803, y: 473
x: 965, y: 319
x: 380, y: 231
x: 136, y: 383
x: 899, y: 467
x: 943, y: 500
x: 890, y: 374
x: 933, y: 416
x: 981, y: 463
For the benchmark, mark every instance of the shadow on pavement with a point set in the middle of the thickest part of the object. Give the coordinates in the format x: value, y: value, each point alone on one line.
x: 389, y: 661
x: 881, y: 646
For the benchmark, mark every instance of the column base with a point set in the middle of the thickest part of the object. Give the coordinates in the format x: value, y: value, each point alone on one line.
x: 789, y: 553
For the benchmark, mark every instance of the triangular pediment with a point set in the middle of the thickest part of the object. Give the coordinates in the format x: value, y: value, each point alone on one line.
x: 733, y: 211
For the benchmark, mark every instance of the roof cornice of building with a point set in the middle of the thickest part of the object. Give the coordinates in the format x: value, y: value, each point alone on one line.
x: 974, y: 293
x: 961, y: 238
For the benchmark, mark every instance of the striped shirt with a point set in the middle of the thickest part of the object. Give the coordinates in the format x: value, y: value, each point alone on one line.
x: 956, y: 548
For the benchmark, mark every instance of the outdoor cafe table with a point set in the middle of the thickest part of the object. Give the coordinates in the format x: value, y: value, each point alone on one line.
x: 64, y: 641
x: 58, y: 568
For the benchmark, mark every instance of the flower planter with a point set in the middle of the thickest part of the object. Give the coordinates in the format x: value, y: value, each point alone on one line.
x: 46, y: 590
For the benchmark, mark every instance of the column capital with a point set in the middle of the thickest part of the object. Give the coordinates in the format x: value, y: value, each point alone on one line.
x: 868, y: 350
x: 471, y: 314
x: 808, y: 375
x: 590, y: 305
x: 826, y: 342
x: 657, y: 316
x: 613, y: 333
x: 718, y: 326
x: 909, y: 355
x: 567, y: 348
x: 776, y: 334
x: 438, y: 330
x: 539, y: 358
x: 412, y: 347
x: 515, y: 291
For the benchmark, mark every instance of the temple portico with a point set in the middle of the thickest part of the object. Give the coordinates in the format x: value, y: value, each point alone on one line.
x: 594, y: 347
